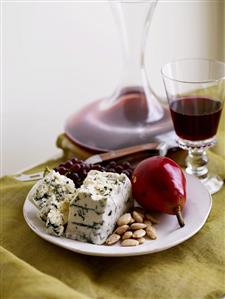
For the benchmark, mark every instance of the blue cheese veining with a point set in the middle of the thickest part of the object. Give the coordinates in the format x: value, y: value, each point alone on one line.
x: 97, y: 205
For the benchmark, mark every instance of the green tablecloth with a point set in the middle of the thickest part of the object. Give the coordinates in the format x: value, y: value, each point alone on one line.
x: 33, y: 268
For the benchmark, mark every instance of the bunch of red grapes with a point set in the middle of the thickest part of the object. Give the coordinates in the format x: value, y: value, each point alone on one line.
x: 77, y: 170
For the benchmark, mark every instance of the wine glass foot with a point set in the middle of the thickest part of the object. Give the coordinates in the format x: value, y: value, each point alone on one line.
x: 213, y: 183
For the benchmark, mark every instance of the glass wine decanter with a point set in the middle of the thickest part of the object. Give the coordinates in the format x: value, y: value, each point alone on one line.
x: 132, y: 115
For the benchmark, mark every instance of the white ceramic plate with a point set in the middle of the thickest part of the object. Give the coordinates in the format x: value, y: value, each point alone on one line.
x: 169, y: 233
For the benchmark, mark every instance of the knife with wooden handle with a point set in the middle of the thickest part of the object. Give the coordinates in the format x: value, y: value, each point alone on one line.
x: 151, y: 149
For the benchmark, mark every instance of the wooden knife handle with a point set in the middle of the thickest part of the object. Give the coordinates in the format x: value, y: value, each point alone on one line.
x: 129, y: 151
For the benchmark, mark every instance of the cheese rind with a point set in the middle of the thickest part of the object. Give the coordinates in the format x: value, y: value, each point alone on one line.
x: 97, y: 205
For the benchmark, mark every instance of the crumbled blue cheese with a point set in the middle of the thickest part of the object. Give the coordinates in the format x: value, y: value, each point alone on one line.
x: 53, y: 186
x: 55, y: 214
x: 52, y: 196
x: 49, y: 205
x: 55, y: 223
x: 97, y: 205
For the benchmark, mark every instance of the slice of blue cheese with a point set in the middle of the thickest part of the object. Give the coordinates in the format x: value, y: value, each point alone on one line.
x: 100, y: 201
x: 52, y: 196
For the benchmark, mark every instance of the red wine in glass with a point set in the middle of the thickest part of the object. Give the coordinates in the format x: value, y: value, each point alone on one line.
x: 195, y: 118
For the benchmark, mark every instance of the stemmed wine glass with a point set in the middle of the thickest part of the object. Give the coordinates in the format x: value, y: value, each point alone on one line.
x: 195, y: 90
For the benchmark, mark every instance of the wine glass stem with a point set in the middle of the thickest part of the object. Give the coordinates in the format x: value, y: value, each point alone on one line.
x: 197, y: 161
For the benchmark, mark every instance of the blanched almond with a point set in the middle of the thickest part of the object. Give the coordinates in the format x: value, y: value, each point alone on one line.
x: 127, y: 235
x: 135, y: 226
x: 140, y: 210
x: 112, y: 239
x: 139, y: 233
x: 122, y: 229
x: 132, y: 220
x: 129, y: 242
x: 147, y: 222
x: 151, y: 233
x: 137, y: 216
x: 151, y: 218
x: 124, y: 219
x: 141, y: 240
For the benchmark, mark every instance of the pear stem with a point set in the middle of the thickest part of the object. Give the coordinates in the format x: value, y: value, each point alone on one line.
x: 179, y: 216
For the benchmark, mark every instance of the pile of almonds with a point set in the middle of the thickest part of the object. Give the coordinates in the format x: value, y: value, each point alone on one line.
x: 133, y: 227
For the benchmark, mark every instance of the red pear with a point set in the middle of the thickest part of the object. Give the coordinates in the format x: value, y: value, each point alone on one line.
x: 159, y: 185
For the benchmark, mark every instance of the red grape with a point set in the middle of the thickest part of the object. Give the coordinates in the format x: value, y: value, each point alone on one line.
x: 76, y: 167
x: 87, y: 167
x: 97, y: 167
x: 83, y: 174
x: 119, y: 168
x: 112, y: 164
x: 68, y: 164
x: 73, y: 176
x: 62, y: 170
x: 74, y: 160
x: 126, y: 164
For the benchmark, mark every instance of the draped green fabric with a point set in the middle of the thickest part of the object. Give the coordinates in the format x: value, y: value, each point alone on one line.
x: 33, y: 268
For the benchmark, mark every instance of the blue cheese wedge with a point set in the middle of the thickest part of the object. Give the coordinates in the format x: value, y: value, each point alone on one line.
x: 100, y: 201
x: 52, y: 196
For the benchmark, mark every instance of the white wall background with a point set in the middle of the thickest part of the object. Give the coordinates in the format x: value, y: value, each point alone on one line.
x: 58, y: 56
